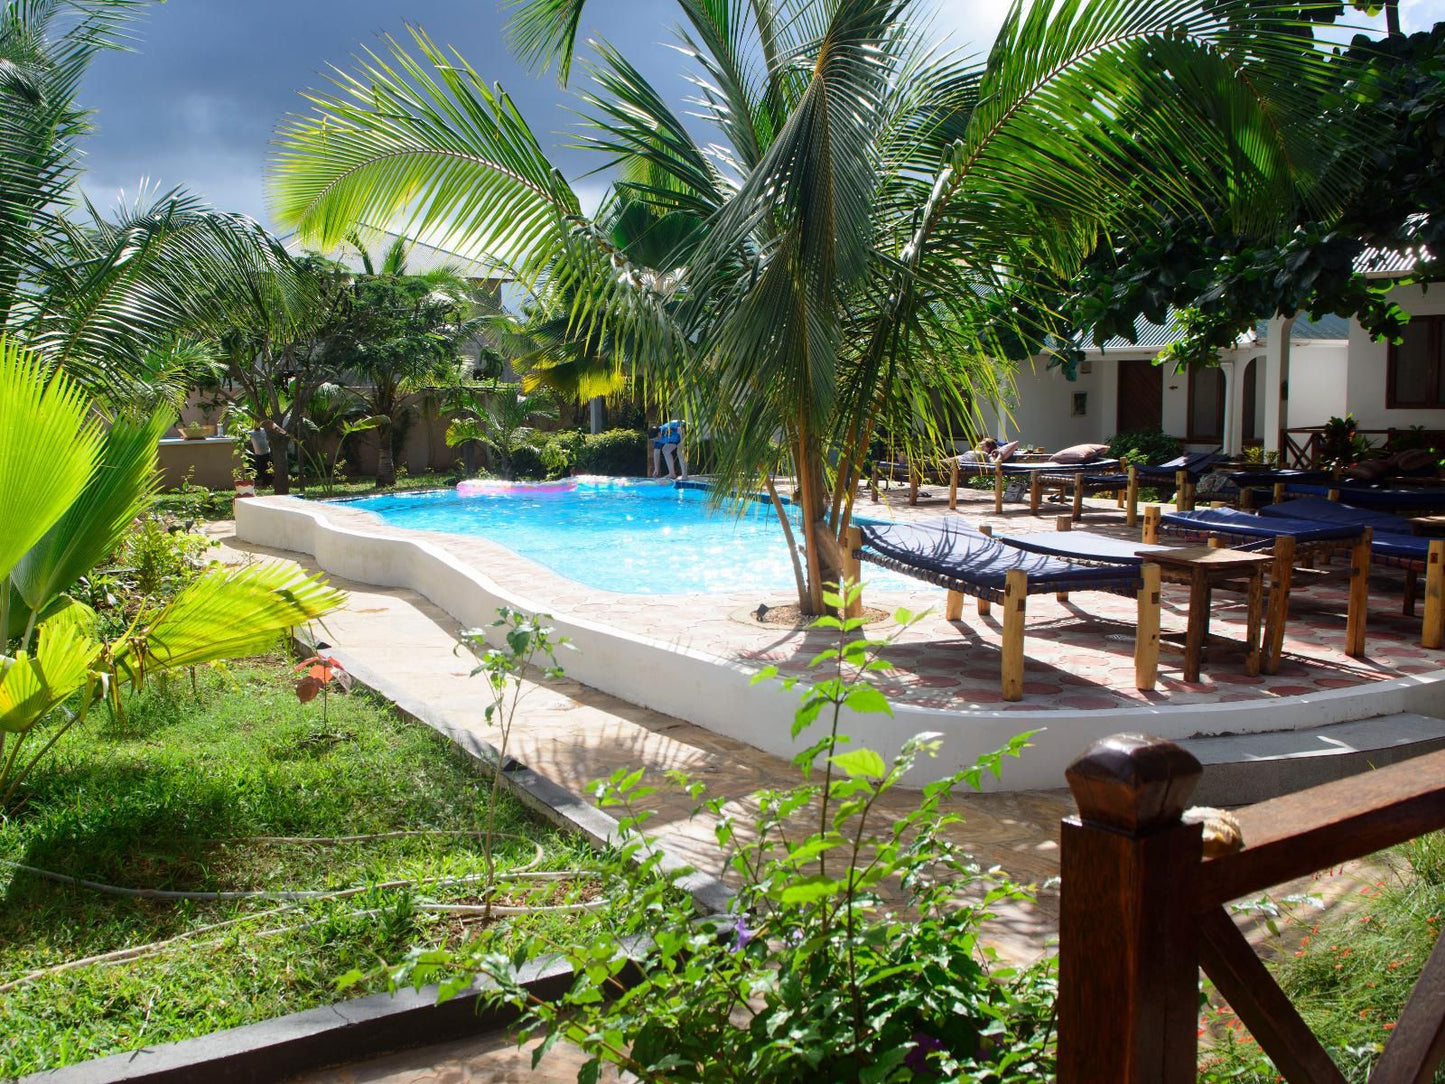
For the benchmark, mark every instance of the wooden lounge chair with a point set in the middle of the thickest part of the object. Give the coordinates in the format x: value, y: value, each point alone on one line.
x: 1184, y: 471
x: 944, y: 472
x: 1417, y: 500
x: 1295, y: 545
x: 968, y: 563
x: 1393, y: 543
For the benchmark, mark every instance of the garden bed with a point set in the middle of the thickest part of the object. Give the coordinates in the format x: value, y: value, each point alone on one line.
x: 235, y: 787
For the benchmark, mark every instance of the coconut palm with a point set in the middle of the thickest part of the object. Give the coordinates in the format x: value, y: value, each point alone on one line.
x: 71, y: 490
x: 867, y: 228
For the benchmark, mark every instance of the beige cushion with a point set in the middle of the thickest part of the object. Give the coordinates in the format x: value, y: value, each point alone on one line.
x: 1005, y: 451
x: 1080, y: 453
x: 1415, y: 461
x: 1371, y: 470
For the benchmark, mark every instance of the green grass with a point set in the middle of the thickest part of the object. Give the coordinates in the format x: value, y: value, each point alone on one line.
x: 203, y: 505
x: 1352, y: 972
x: 152, y: 802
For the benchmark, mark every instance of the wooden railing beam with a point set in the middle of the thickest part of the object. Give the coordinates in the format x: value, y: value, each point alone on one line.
x: 1300, y: 833
x: 1264, y: 1008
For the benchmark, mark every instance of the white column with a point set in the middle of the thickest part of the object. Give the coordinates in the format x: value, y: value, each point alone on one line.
x: 1276, y: 377
x: 1232, y: 439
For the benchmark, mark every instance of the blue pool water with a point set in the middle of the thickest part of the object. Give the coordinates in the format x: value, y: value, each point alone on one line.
x: 641, y: 539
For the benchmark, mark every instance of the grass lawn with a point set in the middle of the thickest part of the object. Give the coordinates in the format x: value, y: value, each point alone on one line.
x: 195, y: 503
x: 166, y: 799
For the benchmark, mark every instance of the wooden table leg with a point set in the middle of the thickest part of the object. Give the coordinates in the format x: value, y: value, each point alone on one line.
x: 1146, y: 636
x: 1198, y: 629
x: 1036, y: 492
x: 998, y: 490
x: 1359, y: 595
x: 1280, y: 575
x: 1252, y: 622
x: 1078, y: 496
x: 1131, y: 499
x: 953, y: 486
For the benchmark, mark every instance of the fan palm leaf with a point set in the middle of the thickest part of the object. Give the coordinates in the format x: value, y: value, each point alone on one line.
x: 34, y: 685
x: 227, y: 613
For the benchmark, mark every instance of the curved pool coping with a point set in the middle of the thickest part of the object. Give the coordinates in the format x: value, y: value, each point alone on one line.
x: 717, y: 693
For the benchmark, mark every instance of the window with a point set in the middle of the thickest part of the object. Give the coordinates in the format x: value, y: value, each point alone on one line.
x: 1416, y: 372
x: 1206, y: 405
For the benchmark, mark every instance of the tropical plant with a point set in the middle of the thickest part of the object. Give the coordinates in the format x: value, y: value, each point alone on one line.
x: 875, y: 220
x: 403, y: 333
x: 501, y: 421
x: 71, y: 491
x: 852, y: 950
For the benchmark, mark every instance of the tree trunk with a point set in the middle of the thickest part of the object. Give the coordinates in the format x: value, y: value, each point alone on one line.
x: 822, y: 565
x: 385, y: 461
x: 1392, y: 18
x: 281, y: 463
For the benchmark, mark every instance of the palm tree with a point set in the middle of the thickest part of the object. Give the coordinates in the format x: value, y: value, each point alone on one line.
x: 868, y: 228
x: 403, y: 335
x: 116, y: 299
x: 500, y: 421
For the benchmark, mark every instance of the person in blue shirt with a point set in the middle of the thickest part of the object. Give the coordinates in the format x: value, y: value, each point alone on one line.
x: 667, y: 446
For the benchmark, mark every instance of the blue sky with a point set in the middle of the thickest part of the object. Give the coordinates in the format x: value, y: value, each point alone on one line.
x: 197, y: 100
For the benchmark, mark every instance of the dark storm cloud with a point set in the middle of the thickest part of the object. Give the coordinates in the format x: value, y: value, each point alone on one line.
x: 198, y: 99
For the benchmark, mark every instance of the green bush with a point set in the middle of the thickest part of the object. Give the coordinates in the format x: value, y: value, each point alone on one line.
x: 1144, y: 446
x: 560, y: 452
x: 618, y: 452
x: 527, y: 463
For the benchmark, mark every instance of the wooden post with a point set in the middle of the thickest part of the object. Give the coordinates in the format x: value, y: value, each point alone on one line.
x: 1036, y: 491
x: 873, y: 484
x: 1182, y: 499
x: 1015, y: 598
x: 1128, y: 956
x: 1279, y: 493
x: 984, y: 606
x: 1357, y: 614
x: 953, y: 484
x: 1433, y: 632
x: 853, y: 570
x: 1246, y: 499
x: 1253, y: 610
x: 914, y: 478
x: 1078, y: 494
x: 998, y: 489
x: 1131, y: 500
x: 1146, y: 636
x: 1197, y: 631
x: 1281, y: 573
x: 1063, y: 523
x: 1119, y: 493
x: 1151, y: 525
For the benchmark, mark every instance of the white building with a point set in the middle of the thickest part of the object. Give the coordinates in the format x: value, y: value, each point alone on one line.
x: 1284, y: 379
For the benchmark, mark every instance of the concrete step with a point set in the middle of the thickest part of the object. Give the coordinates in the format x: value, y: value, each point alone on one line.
x: 1243, y: 768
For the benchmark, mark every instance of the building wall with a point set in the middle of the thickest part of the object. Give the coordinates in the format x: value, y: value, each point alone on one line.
x: 1319, y: 373
x: 1042, y: 405
x: 1368, y: 370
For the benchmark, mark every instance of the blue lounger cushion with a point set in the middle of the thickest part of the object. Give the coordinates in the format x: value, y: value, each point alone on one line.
x: 1049, y: 467
x: 952, y: 553
x: 1412, y: 500
x: 1402, y: 549
x: 1325, y: 511
x: 1196, y: 464
x: 1243, y: 524
x: 1245, y: 479
x: 1081, y: 546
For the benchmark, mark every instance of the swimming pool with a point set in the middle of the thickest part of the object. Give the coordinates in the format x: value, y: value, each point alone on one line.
x: 633, y: 538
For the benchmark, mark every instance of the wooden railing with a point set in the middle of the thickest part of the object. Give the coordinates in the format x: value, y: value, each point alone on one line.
x: 1300, y: 448
x: 1142, y: 911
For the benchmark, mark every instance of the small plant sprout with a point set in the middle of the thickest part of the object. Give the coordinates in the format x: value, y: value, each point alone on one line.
x: 528, y: 643
x: 321, y: 672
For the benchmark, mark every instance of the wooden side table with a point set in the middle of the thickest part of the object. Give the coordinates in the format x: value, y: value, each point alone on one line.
x: 1203, y: 567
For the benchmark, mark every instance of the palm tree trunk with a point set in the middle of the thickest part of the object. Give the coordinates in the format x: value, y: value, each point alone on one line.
x: 385, y: 461
x: 1392, y: 18
x: 813, y: 512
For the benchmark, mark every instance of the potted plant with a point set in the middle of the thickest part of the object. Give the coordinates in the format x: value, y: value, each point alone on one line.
x: 197, y: 430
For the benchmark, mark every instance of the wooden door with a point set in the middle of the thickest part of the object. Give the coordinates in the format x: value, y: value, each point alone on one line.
x: 1141, y: 395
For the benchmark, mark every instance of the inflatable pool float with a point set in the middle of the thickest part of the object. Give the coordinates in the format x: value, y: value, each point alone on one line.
x: 500, y: 487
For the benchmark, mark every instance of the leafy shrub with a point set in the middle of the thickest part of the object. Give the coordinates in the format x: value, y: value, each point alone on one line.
x: 527, y: 463
x: 560, y: 452
x: 1340, y: 444
x: 1143, y: 446
x: 617, y: 452
x: 849, y: 953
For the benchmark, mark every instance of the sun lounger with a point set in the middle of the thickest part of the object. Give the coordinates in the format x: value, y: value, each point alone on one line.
x: 968, y: 563
x: 937, y: 473
x: 1393, y: 543
x: 1293, y: 542
x: 1416, y: 499
x: 1276, y: 479
x: 1078, y: 479
x: 1183, y: 470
